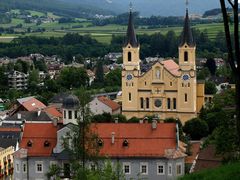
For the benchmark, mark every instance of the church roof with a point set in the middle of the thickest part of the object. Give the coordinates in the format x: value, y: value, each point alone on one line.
x: 171, y: 66
x: 187, y: 36
x: 131, y: 36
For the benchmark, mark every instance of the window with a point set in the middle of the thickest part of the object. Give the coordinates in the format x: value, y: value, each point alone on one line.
x: 69, y: 114
x: 24, y: 167
x: 169, y: 169
x: 186, y: 98
x: 129, y: 56
x: 174, y: 103
x: 129, y: 96
x: 76, y: 114
x: 92, y: 166
x: 64, y: 112
x: 147, y: 103
x: 145, y: 83
x: 144, y: 168
x: 188, y: 84
x: 17, y: 168
x: 141, y: 103
x: 170, y: 83
x: 160, y: 169
x: 126, y: 168
x: 158, y: 73
x: 185, y: 56
x: 39, y: 167
x: 168, y: 103
x: 179, y: 168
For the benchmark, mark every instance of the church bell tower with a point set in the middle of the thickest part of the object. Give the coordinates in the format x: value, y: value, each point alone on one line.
x: 131, y: 68
x: 187, y: 84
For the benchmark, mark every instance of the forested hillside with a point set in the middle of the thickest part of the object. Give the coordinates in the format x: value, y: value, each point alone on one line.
x: 55, y: 6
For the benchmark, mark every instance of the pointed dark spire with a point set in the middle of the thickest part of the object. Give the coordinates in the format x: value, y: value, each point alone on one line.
x: 187, y: 36
x: 131, y: 36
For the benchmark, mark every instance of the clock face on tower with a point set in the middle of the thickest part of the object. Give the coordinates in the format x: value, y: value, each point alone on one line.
x: 129, y: 77
x: 185, y: 77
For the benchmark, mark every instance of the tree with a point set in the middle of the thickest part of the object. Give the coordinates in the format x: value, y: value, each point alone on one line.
x: 73, y: 78
x: 211, y: 65
x: 196, y: 128
x: 210, y: 87
x: 233, y: 51
x: 83, y: 146
x: 114, y: 78
x: 99, y: 73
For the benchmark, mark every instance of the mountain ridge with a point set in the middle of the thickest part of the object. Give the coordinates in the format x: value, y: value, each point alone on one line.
x: 155, y: 7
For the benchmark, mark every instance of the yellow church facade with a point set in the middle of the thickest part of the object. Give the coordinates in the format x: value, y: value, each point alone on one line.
x: 168, y: 89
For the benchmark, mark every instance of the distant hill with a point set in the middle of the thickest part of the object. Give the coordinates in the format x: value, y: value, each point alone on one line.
x: 56, y: 6
x: 152, y: 7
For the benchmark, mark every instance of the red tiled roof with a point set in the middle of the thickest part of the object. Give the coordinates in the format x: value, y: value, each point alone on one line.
x: 207, y: 158
x: 52, y: 111
x: 143, y: 140
x: 10, y: 129
x: 171, y: 66
x: 194, y: 149
x: 33, y: 104
x: 113, y: 105
x: 38, y: 133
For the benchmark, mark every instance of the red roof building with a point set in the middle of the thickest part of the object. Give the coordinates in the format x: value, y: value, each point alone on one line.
x: 136, y: 140
x: 103, y: 104
x: 39, y: 139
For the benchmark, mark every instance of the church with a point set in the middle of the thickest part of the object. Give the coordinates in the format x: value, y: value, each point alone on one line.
x: 168, y: 89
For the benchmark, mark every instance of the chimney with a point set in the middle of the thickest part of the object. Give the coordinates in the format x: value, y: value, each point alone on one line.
x: 19, y: 116
x: 154, y: 124
x: 113, y: 137
x: 116, y: 120
x: 141, y: 121
x: 177, y: 135
x: 38, y: 112
x: 55, y: 121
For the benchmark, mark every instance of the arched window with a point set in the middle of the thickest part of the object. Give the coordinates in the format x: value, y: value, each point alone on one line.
x: 129, y: 96
x: 129, y: 56
x: 141, y: 103
x: 168, y: 103
x: 174, y: 103
x: 69, y: 114
x: 185, y: 56
x: 186, y: 98
x: 147, y: 103
x: 158, y: 73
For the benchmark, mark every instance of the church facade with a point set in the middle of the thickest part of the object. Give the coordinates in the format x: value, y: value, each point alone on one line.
x: 168, y: 89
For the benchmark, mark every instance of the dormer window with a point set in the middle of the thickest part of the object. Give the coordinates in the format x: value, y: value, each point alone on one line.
x: 29, y: 143
x: 185, y: 56
x: 125, y: 143
x: 129, y: 56
x: 46, y: 143
x: 100, y: 143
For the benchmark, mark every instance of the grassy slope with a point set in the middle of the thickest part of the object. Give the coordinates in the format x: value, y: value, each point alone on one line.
x: 226, y: 172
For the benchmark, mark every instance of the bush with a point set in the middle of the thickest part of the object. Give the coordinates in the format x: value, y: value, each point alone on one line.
x: 196, y: 129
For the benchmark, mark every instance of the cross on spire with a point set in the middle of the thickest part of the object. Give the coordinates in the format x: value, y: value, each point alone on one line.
x: 130, y: 6
x: 187, y: 3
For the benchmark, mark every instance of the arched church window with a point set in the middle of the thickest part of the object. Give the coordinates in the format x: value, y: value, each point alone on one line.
x: 147, y: 103
x: 129, y: 56
x: 130, y: 96
x: 174, y: 103
x: 168, y: 103
x: 185, y: 56
x: 141, y: 103
x: 186, y: 98
x: 69, y: 114
x: 158, y: 74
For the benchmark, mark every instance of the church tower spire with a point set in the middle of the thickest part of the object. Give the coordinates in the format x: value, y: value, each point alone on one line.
x: 187, y: 37
x: 131, y: 36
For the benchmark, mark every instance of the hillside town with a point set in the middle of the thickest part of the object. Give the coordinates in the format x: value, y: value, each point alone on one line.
x: 117, y: 116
